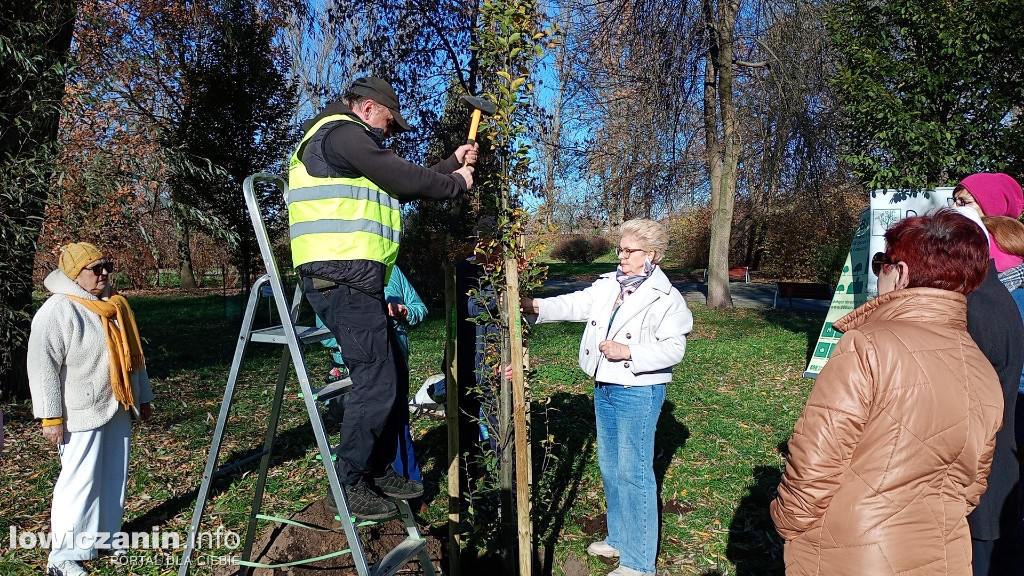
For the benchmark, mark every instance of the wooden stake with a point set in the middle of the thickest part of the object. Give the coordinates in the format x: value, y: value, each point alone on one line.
x: 519, y: 411
x: 452, y: 419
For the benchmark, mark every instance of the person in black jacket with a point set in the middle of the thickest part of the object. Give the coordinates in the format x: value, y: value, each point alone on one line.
x: 342, y: 180
x: 478, y: 407
x: 994, y: 323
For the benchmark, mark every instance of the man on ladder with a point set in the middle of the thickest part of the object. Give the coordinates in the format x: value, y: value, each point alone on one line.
x: 345, y: 222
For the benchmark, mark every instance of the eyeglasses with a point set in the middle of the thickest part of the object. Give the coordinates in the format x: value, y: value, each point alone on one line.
x: 963, y: 201
x: 99, y: 268
x: 880, y: 259
x: 628, y: 251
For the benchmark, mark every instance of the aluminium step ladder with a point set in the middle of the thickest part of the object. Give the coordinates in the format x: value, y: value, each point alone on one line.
x: 292, y: 337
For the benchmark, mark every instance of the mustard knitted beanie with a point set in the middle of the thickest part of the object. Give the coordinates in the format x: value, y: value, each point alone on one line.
x: 74, y: 257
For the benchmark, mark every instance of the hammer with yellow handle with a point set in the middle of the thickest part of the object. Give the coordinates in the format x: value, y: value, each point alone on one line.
x: 480, y: 107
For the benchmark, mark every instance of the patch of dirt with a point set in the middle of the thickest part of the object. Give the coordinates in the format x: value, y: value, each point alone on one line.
x: 575, y: 567
x: 598, y: 526
x: 595, y: 525
x: 286, y: 543
x: 676, y: 507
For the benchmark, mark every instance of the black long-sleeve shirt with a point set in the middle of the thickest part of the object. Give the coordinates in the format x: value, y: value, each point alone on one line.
x: 349, y: 150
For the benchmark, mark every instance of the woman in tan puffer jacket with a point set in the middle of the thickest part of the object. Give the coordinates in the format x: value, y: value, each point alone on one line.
x: 893, y: 448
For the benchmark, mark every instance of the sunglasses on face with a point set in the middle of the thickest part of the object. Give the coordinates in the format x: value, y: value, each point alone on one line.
x: 98, y: 269
x: 880, y: 259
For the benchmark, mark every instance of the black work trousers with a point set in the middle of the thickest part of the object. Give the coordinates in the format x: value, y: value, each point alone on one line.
x: 374, y: 404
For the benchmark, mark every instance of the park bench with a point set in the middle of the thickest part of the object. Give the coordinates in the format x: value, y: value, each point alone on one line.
x: 807, y: 290
x: 735, y: 273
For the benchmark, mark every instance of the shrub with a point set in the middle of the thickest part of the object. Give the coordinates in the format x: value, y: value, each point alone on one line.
x: 579, y: 249
x: 809, y: 237
x: 601, y: 245
x: 689, y: 238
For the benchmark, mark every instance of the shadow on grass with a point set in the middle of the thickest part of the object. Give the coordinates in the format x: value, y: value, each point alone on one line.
x: 754, y: 547
x: 568, y: 419
x: 670, y: 438
x: 798, y: 321
x: 291, y: 444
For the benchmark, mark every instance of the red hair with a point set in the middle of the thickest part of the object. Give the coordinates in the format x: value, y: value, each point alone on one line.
x: 943, y: 250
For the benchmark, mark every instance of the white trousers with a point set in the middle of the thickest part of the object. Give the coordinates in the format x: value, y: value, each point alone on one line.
x: 90, y: 492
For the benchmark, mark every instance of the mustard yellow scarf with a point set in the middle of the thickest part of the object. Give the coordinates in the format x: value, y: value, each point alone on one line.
x: 123, y: 343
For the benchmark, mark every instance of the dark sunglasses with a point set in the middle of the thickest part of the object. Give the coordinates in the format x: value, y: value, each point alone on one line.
x: 99, y: 268
x: 879, y: 259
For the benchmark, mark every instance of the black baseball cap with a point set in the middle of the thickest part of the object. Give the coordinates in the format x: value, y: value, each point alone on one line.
x: 381, y: 92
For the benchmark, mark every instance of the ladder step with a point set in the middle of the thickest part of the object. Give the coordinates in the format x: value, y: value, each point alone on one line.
x: 396, y: 559
x: 332, y: 390
x: 275, y: 334
x: 233, y: 465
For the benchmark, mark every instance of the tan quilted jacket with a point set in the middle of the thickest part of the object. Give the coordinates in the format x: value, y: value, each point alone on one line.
x: 894, y: 445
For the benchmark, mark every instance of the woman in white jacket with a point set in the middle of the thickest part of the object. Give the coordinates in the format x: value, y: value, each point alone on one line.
x: 636, y: 327
x: 88, y: 379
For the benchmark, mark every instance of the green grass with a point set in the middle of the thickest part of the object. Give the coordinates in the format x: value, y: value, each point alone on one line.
x: 732, y: 401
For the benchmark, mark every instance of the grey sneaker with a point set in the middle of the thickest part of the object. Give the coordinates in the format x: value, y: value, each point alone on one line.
x: 601, y: 548
x: 363, y: 502
x: 395, y: 486
x: 66, y: 568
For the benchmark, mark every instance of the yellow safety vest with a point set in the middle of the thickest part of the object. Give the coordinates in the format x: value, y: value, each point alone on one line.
x: 340, y: 218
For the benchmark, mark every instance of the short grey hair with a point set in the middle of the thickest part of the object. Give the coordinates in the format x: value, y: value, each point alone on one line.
x: 652, y: 236
x: 352, y: 100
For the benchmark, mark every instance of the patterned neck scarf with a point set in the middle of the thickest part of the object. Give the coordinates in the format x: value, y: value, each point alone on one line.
x: 629, y: 284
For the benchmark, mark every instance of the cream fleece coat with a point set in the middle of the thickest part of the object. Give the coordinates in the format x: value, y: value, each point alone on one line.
x: 653, y: 322
x: 68, y: 362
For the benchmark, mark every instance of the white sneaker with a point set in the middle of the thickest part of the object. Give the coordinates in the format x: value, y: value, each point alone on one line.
x: 623, y: 571
x: 601, y: 548
x: 66, y: 568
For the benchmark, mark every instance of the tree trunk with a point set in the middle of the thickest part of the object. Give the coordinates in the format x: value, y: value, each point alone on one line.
x: 28, y: 134
x: 187, y: 277
x: 723, y: 152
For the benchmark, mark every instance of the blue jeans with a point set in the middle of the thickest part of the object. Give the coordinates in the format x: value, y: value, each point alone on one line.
x: 405, y: 460
x: 627, y: 417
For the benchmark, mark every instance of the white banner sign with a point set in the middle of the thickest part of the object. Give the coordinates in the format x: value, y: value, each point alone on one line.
x: 857, y: 284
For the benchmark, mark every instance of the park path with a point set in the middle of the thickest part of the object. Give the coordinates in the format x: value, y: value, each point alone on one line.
x: 753, y: 295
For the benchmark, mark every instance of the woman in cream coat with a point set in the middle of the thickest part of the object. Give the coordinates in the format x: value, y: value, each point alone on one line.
x: 636, y: 327
x: 88, y: 379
